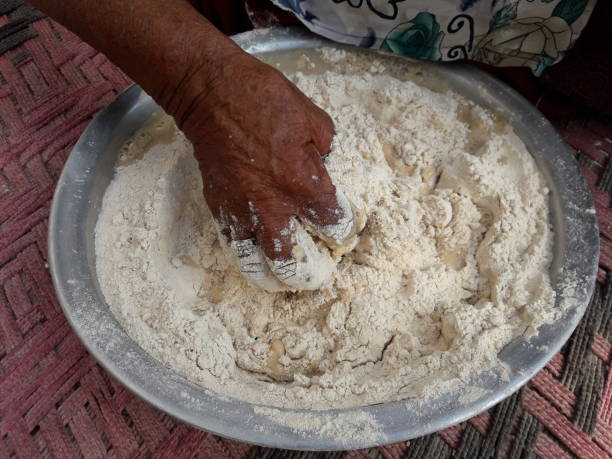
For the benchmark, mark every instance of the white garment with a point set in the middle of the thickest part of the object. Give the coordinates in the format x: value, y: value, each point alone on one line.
x: 532, y: 33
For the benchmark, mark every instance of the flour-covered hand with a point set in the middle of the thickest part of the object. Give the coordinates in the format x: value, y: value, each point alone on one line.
x: 259, y: 142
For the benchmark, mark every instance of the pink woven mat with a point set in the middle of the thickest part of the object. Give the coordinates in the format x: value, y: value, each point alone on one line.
x: 55, y: 401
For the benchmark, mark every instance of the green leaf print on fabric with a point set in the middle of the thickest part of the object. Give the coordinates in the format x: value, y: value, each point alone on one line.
x: 532, y: 42
x: 542, y: 63
x: 504, y: 16
x: 570, y: 10
x: 418, y: 38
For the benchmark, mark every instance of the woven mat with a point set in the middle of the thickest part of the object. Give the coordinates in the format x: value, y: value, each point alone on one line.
x: 56, y: 401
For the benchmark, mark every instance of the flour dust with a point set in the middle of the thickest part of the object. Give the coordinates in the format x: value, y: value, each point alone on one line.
x: 451, y: 266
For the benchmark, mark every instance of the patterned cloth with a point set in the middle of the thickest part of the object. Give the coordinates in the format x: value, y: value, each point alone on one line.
x: 504, y: 33
x: 55, y: 401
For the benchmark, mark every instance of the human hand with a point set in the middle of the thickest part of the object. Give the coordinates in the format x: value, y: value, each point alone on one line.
x: 259, y: 142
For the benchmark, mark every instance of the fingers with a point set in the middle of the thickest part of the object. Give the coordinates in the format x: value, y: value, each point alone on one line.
x: 246, y: 254
x: 290, y: 251
x: 252, y: 263
x: 282, y: 255
x: 294, y: 258
x: 332, y: 219
x: 324, y: 207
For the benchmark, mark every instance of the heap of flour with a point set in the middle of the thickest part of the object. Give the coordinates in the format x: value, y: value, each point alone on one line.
x: 451, y: 266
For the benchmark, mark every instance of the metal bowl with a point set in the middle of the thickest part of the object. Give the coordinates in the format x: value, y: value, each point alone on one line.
x: 77, y: 203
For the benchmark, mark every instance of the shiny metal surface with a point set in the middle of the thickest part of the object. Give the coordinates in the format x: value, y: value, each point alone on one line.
x: 90, y: 168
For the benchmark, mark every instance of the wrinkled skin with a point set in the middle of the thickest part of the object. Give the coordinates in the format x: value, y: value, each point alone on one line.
x: 259, y: 142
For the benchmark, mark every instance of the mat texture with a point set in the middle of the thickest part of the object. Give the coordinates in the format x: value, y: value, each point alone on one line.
x: 55, y: 401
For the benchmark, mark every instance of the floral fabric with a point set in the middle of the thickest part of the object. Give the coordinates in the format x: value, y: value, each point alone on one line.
x: 504, y: 33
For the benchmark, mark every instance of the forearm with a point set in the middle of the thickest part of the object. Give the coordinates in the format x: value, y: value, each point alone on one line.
x: 160, y: 44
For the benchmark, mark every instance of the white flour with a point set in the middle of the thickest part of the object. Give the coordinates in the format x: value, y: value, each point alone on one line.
x: 451, y: 266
